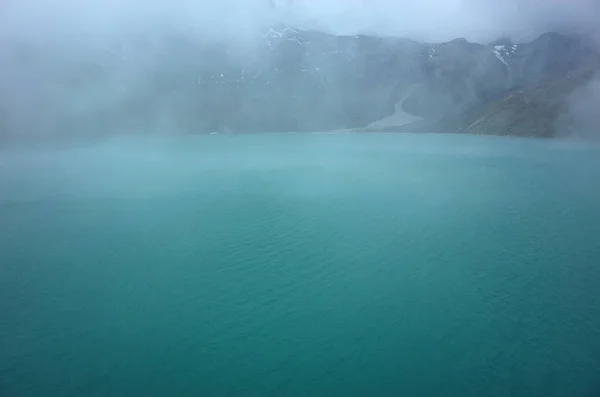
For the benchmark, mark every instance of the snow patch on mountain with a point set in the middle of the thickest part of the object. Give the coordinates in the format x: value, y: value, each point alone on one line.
x: 505, y: 52
x: 499, y: 56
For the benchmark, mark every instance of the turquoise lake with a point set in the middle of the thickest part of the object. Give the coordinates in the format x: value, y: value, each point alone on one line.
x: 300, y: 265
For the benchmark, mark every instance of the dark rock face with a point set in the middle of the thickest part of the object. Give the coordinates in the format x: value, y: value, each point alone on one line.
x: 295, y: 80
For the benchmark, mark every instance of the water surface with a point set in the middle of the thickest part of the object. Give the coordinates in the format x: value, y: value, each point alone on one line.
x: 301, y: 265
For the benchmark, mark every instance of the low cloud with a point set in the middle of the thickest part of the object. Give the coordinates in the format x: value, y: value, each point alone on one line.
x: 581, y: 120
x: 40, y: 40
x: 433, y: 20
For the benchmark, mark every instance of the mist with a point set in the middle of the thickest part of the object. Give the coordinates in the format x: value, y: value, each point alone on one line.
x: 94, y: 66
x: 299, y: 198
x: 431, y: 20
x: 474, y: 20
x: 67, y: 60
x: 581, y: 120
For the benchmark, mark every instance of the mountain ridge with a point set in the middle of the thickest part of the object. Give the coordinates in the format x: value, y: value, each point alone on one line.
x: 305, y: 80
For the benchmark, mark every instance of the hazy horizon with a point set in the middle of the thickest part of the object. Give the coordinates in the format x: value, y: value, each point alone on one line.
x: 66, y: 58
x: 429, y: 20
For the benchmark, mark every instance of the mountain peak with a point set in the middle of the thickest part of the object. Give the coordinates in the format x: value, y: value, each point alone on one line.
x: 308, y: 80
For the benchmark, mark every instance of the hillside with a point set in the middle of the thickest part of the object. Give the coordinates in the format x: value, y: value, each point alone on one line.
x: 297, y: 80
x: 544, y: 109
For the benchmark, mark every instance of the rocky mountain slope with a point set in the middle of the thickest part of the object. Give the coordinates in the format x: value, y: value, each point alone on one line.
x: 547, y: 108
x: 297, y: 80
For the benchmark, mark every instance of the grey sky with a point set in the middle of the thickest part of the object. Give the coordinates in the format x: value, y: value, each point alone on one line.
x: 477, y: 20
x: 432, y: 20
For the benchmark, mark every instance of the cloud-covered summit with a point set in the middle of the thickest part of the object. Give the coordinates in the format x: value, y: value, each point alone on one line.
x: 428, y: 20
